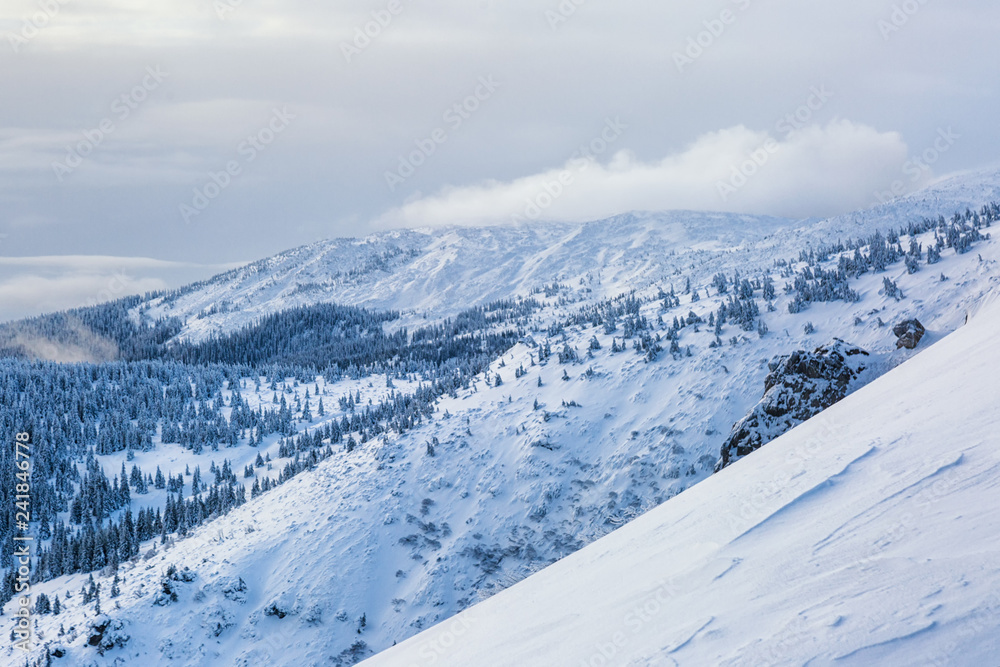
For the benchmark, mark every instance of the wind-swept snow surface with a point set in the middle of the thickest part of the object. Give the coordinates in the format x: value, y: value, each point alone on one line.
x: 866, y: 536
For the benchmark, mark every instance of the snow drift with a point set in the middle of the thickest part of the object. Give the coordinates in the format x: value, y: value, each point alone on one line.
x: 865, y: 536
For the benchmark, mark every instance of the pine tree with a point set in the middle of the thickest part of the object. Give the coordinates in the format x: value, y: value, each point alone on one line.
x: 891, y: 289
x: 933, y: 254
x: 135, y: 479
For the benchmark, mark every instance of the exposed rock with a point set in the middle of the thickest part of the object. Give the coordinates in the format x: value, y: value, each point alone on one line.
x: 284, y: 604
x: 105, y: 634
x: 274, y: 610
x: 909, y: 334
x: 799, y: 386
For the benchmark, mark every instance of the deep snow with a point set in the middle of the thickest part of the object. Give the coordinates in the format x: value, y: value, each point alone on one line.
x: 866, y: 536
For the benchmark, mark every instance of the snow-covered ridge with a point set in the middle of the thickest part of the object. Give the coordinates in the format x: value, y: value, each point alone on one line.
x: 438, y: 272
x: 865, y: 536
x: 441, y: 272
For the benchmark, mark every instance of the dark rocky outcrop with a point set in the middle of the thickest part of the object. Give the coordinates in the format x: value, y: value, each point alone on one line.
x: 799, y: 386
x: 909, y: 334
x: 105, y: 634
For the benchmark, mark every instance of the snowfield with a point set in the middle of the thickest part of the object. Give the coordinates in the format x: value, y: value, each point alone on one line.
x: 866, y: 536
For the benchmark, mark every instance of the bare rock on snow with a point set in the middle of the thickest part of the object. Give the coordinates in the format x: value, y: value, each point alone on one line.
x: 909, y: 334
x: 799, y: 386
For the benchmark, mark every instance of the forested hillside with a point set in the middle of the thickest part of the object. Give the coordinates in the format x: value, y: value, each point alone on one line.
x: 457, y: 452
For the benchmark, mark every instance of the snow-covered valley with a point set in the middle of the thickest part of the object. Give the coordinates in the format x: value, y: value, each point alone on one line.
x: 543, y: 454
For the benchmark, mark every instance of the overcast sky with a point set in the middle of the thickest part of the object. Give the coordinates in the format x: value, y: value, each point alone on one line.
x: 169, y: 140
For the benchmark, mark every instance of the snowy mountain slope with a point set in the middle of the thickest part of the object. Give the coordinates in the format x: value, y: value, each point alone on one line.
x: 865, y: 536
x: 436, y: 273
x: 440, y: 272
x: 521, y: 475
x: 950, y: 193
x: 404, y: 539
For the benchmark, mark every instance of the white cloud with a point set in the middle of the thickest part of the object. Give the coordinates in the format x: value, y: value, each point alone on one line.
x: 813, y: 171
x: 105, y: 263
x: 34, y: 285
x: 25, y: 294
x: 326, y: 178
